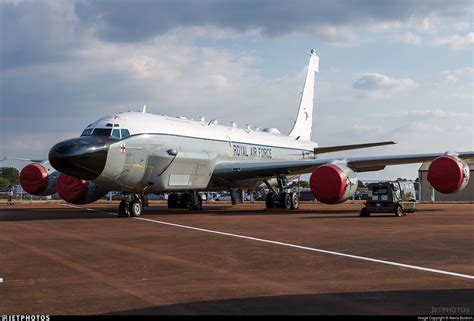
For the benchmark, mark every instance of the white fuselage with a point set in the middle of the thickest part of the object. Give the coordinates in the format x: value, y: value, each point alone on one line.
x: 171, y: 154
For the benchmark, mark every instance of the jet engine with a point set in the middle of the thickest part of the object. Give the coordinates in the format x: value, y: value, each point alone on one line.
x: 333, y: 183
x: 448, y: 174
x: 77, y: 191
x: 39, y: 179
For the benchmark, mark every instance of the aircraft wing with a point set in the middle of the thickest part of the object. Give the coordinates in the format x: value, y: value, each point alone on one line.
x: 263, y: 169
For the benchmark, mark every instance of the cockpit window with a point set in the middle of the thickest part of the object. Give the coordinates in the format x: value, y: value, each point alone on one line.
x: 101, y: 132
x: 125, y: 133
x: 87, y: 132
x: 116, y: 133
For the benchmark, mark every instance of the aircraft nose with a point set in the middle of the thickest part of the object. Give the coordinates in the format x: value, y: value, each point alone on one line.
x: 83, y: 157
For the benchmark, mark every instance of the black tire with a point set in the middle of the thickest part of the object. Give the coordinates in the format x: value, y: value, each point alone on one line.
x: 186, y: 201
x: 364, y: 212
x: 270, y: 200
x: 285, y: 200
x: 398, y: 211
x: 136, y: 208
x: 198, y: 206
x: 124, y: 210
x: 173, y: 200
x: 295, y: 201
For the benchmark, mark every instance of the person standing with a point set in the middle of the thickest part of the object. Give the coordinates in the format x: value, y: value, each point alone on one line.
x: 10, y: 197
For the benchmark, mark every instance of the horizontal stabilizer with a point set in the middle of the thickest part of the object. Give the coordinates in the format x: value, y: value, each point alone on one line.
x: 22, y: 159
x: 330, y: 149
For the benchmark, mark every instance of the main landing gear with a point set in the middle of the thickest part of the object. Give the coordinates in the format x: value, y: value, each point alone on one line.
x: 281, y: 198
x: 190, y: 201
x: 132, y: 205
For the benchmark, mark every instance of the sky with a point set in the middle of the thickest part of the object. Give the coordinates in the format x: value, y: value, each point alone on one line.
x: 389, y: 70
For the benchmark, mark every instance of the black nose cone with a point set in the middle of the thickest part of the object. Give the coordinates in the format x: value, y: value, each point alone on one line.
x: 83, y: 157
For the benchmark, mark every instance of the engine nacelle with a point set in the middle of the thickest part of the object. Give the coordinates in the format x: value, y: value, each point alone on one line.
x: 39, y: 179
x: 448, y: 174
x: 333, y: 183
x: 77, y: 191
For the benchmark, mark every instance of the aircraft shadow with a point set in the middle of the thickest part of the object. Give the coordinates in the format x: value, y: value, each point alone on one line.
x: 12, y: 214
x: 413, y: 302
x: 31, y: 214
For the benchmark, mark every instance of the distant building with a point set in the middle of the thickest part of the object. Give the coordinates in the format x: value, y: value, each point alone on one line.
x: 427, y: 193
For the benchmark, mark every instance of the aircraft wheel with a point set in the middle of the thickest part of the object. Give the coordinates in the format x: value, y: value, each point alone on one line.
x: 295, y: 202
x: 136, y: 208
x: 285, y: 200
x: 198, y: 206
x: 124, y: 210
x: 271, y: 200
x: 186, y: 201
x: 398, y: 211
x: 364, y: 212
x: 173, y: 200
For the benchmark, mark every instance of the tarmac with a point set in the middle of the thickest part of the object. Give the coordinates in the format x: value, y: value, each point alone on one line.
x: 321, y: 259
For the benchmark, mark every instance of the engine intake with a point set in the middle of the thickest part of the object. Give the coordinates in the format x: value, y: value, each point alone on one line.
x: 333, y: 183
x: 77, y: 191
x: 39, y: 179
x: 448, y: 174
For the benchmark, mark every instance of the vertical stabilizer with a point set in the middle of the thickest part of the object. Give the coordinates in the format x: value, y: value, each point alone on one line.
x: 304, y: 121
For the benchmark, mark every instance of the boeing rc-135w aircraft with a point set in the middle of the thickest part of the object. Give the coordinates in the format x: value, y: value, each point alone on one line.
x: 140, y: 153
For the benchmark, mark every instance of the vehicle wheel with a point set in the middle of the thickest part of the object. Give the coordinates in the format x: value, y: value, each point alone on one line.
x: 271, y: 200
x: 124, y: 210
x: 398, y: 211
x: 295, y: 202
x: 136, y: 208
x: 285, y: 200
x: 364, y: 212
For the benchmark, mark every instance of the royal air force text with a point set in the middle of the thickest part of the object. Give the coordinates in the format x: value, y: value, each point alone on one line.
x: 252, y: 151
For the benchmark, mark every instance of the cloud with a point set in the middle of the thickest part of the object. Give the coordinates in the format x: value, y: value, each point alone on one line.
x: 37, y: 32
x: 383, y: 84
x: 453, y: 76
x: 139, y: 20
x: 456, y: 42
x: 409, y: 38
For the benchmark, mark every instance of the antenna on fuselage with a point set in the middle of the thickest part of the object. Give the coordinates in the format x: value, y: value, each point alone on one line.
x: 144, y: 109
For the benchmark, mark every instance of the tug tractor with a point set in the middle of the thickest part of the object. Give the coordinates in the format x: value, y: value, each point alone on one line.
x: 397, y: 197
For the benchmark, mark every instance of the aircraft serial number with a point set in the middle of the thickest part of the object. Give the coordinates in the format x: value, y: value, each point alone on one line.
x: 252, y: 151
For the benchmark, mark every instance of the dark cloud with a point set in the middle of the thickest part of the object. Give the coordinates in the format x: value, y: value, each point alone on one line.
x: 129, y: 21
x: 36, y: 32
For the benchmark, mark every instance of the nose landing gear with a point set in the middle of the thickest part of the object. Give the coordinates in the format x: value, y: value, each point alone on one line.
x: 132, y: 205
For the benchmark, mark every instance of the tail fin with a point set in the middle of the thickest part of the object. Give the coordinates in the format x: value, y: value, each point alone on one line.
x: 304, y: 121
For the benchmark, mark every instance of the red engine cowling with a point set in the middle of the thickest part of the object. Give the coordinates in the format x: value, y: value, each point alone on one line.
x: 448, y: 174
x: 77, y: 191
x: 39, y: 179
x: 333, y: 183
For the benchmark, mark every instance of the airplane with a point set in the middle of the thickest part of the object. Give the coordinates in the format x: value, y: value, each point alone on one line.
x: 140, y: 153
